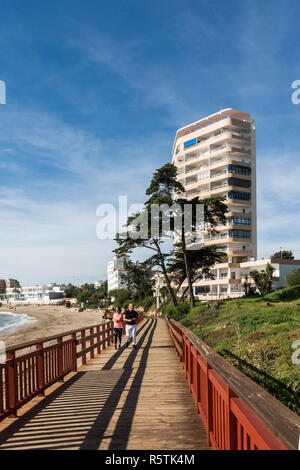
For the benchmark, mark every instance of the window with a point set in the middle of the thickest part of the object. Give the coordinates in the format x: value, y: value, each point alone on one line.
x: 242, y: 170
x: 237, y: 233
x: 239, y: 182
x: 239, y: 195
x: 203, y: 176
x: 202, y: 290
x: 239, y: 221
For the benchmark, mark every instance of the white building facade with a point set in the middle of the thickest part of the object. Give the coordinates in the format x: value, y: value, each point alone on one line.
x: 50, y: 294
x: 115, y: 268
x: 236, y: 276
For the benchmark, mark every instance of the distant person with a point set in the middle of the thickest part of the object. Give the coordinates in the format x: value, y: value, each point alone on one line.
x: 118, y: 318
x: 131, y: 319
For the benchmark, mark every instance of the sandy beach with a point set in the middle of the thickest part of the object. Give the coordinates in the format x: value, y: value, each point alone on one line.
x: 51, y: 320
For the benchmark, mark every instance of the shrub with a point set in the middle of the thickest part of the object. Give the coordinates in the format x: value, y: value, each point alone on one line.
x: 147, y: 303
x: 177, y: 313
x: 293, y: 279
x: 122, y: 297
x: 286, y: 294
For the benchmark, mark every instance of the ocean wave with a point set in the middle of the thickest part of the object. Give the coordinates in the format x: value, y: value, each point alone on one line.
x: 10, y: 321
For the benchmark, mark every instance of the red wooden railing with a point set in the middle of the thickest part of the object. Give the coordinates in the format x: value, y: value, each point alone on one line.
x: 30, y: 368
x: 237, y: 413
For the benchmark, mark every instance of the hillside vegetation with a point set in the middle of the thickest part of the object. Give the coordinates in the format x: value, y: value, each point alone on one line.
x: 255, y: 334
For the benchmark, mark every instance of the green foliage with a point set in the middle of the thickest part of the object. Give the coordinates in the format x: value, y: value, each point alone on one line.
x: 284, y: 295
x: 177, y: 313
x: 200, y: 261
x: 122, y: 297
x: 161, y: 191
x: 285, y: 254
x: 161, y: 197
x: 138, y: 278
x: 147, y: 303
x: 72, y: 291
x: 264, y: 279
x: 163, y: 184
x: 293, y: 279
x: 88, y: 295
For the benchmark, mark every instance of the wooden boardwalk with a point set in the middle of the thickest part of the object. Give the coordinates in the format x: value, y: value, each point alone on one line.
x: 125, y: 399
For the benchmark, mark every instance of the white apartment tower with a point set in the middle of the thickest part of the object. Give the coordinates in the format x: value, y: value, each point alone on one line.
x: 216, y: 156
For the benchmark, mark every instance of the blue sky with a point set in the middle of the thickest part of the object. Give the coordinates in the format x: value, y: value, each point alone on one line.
x: 95, y: 93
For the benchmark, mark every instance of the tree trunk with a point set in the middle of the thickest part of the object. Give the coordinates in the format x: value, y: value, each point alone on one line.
x: 163, y: 266
x: 183, y: 294
x: 187, y: 269
x: 179, y: 285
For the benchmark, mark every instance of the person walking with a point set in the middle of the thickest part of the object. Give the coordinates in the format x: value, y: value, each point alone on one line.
x: 130, y: 319
x: 118, y: 318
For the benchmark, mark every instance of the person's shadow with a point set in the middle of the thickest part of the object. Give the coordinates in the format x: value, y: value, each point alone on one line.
x: 77, y: 414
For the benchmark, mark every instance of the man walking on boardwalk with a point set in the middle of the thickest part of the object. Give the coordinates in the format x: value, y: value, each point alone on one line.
x: 130, y: 319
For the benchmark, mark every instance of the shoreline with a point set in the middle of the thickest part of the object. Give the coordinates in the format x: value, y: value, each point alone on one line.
x: 50, y: 320
x: 16, y: 321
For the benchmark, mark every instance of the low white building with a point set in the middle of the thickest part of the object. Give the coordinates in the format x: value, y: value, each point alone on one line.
x: 36, y: 294
x: 115, y: 268
x: 228, y: 278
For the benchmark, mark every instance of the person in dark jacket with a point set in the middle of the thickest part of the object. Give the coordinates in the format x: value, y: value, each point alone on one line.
x: 130, y: 319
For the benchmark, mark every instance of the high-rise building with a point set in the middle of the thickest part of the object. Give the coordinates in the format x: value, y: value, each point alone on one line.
x: 216, y: 156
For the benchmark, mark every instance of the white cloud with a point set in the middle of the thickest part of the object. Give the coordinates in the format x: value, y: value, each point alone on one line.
x: 48, y: 223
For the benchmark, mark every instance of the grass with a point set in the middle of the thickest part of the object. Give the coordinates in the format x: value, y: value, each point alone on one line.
x: 255, y: 334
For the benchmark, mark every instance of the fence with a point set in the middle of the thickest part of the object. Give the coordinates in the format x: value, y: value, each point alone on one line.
x: 32, y: 367
x: 237, y: 413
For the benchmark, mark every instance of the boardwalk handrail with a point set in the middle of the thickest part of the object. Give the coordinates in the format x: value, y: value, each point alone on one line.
x: 238, y: 414
x: 29, y: 374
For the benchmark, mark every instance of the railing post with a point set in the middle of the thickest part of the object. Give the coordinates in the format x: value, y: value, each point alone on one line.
x: 98, y: 339
x: 74, y: 352
x: 182, y: 345
x: 92, y: 343
x: 12, y: 384
x: 183, y: 351
x: 40, y: 369
x: 83, y: 347
x: 198, y: 395
x: 60, y: 360
x: 209, y: 407
x: 104, y: 337
x: 108, y: 333
x: 231, y: 428
x: 188, y: 359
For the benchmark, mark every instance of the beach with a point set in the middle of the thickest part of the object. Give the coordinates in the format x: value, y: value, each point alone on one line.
x: 50, y: 320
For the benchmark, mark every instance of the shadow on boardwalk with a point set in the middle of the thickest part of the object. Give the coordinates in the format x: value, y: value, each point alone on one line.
x: 125, y: 399
x: 77, y: 414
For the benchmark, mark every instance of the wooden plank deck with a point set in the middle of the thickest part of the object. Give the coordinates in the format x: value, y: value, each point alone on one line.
x: 125, y: 399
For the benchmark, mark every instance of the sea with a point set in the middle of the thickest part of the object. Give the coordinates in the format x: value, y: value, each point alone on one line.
x: 9, y: 321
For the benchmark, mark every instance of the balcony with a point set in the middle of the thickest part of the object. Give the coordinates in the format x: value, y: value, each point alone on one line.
x: 229, y: 159
x: 193, y: 156
x: 220, y: 121
x: 195, y: 168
